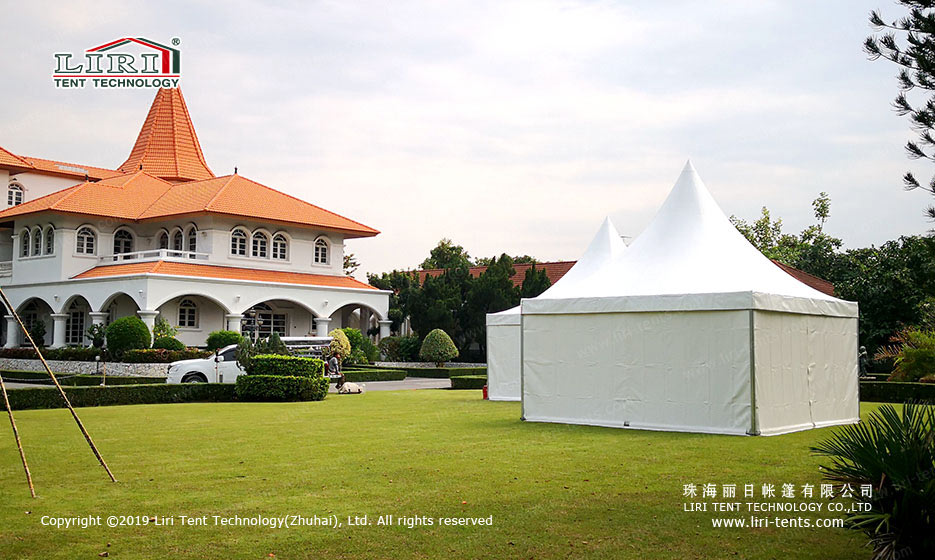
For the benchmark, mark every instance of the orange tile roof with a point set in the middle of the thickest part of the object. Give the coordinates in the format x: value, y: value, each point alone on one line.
x: 554, y: 270
x: 10, y: 159
x: 167, y: 145
x: 70, y: 169
x: 235, y: 195
x: 222, y: 272
x: 140, y: 196
x: 124, y: 197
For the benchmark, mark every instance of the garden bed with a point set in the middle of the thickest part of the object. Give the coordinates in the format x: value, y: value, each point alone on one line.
x: 79, y: 380
x: 49, y: 397
x: 896, y: 391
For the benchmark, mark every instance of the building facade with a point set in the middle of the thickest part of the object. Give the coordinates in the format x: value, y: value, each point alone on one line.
x: 161, y: 235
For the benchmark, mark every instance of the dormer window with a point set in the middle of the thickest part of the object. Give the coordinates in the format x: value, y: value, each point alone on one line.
x: 14, y: 195
x: 260, y: 245
x: 239, y: 243
x: 123, y: 242
x: 321, y: 251
x: 85, y: 241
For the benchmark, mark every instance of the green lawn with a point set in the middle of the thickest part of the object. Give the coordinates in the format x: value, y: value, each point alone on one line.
x: 554, y: 491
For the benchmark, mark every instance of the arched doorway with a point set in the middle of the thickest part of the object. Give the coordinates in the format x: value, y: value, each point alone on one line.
x: 195, y: 317
x: 284, y: 317
x: 36, y: 315
x: 77, y: 309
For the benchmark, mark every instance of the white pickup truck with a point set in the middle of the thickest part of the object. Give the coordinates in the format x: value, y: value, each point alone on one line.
x: 223, y: 367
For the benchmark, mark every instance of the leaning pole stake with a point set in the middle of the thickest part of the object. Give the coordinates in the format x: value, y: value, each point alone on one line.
x: 19, y: 444
x: 71, y: 409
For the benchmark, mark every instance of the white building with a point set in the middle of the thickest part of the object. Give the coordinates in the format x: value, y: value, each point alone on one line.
x: 162, y: 235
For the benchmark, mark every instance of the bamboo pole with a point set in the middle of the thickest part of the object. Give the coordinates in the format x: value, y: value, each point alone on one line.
x: 19, y: 444
x: 61, y: 391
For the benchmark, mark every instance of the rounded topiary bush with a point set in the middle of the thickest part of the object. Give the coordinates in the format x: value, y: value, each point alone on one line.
x: 438, y: 347
x: 340, y: 345
x: 127, y: 333
x: 168, y: 343
x: 220, y: 339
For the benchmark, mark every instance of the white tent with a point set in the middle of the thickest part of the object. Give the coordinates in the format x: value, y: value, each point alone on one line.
x: 691, y: 329
x: 503, y: 328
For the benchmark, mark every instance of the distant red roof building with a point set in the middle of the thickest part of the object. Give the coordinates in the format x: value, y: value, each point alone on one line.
x: 555, y: 271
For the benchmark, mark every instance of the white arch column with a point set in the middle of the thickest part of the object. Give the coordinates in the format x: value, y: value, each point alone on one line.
x: 364, y: 320
x: 233, y: 321
x: 12, y: 332
x: 321, y: 325
x: 384, y: 328
x: 98, y: 317
x: 58, y: 329
x: 149, y: 318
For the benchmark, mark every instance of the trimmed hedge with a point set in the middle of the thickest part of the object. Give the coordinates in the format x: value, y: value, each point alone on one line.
x: 22, y: 399
x: 127, y: 333
x: 442, y: 373
x: 469, y: 382
x: 161, y: 355
x: 220, y: 339
x: 289, y: 366
x: 69, y: 354
x: 168, y: 343
x: 80, y: 380
x: 895, y: 391
x: 364, y: 375
x: 280, y: 388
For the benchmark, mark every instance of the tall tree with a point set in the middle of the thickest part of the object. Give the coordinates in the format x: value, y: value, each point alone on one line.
x: 535, y: 282
x: 914, y: 53
x: 490, y: 292
x: 446, y: 255
x: 350, y: 264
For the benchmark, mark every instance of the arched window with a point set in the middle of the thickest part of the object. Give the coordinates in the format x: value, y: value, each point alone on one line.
x: 49, y: 240
x: 85, y: 242
x: 164, y: 240
x: 192, y: 239
x: 321, y: 251
x: 36, y: 242
x: 178, y: 241
x: 188, y: 314
x: 123, y: 242
x: 24, y: 243
x: 280, y: 247
x: 239, y: 242
x: 14, y: 194
x: 260, y: 245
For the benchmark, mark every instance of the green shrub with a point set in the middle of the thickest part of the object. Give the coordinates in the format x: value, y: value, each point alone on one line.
x: 161, y: 355
x: 340, y: 345
x: 97, y: 334
x: 354, y: 336
x: 468, y: 382
x: 162, y: 328
x: 894, y: 454
x: 37, y: 333
x: 220, y: 339
x: 365, y: 375
x: 168, y: 343
x: 438, y: 347
x: 370, y: 350
x: 290, y: 366
x: 279, y: 388
x: 895, y: 391
x: 401, y: 348
x: 442, y: 373
x: 913, y: 354
x: 273, y: 345
x: 69, y: 353
x: 356, y: 357
x: 46, y: 397
x: 127, y: 333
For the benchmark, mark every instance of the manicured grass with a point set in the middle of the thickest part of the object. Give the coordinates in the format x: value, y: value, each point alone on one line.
x: 554, y: 491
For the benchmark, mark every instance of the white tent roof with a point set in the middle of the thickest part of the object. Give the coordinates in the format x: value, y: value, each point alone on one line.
x: 604, y: 249
x: 690, y: 257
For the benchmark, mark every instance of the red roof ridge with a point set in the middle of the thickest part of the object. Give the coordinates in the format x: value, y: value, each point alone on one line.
x: 230, y: 179
x: 16, y: 159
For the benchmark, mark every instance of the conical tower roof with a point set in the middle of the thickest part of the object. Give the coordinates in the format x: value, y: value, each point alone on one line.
x: 167, y: 146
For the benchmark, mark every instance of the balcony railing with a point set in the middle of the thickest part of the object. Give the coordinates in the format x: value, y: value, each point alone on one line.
x: 6, y: 268
x: 153, y: 255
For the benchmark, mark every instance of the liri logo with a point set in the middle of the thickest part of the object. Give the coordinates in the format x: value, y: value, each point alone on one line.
x: 128, y: 62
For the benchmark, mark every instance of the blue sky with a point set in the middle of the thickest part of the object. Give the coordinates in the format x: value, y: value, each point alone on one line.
x: 506, y: 126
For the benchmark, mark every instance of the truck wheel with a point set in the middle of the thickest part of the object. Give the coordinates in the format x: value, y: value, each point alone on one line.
x: 194, y: 378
